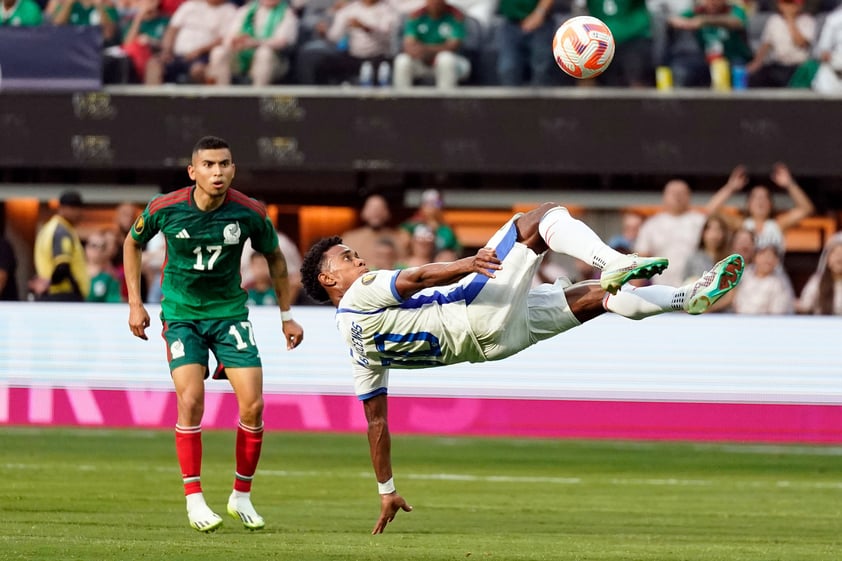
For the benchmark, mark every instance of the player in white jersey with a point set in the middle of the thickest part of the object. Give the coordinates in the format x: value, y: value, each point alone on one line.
x: 481, y: 308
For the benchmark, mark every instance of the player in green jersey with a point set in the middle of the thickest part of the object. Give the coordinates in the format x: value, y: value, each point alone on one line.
x: 204, y: 309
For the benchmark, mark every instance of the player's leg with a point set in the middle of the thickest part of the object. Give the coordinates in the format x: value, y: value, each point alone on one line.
x: 234, y: 346
x: 551, y: 226
x: 694, y: 298
x: 220, y: 64
x: 266, y: 67
x: 248, y: 387
x: 187, y: 354
x: 190, y: 394
x: 587, y: 300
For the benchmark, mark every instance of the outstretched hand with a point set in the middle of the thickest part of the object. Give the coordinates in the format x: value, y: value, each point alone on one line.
x: 389, y: 506
x: 486, y: 262
x: 781, y: 175
x: 738, y: 178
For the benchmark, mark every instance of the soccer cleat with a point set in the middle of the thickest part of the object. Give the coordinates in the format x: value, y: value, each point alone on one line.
x: 628, y: 267
x: 204, y: 519
x: 242, y: 509
x: 714, y: 284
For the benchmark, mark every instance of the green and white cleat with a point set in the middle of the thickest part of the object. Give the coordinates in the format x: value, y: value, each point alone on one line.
x: 714, y: 284
x: 628, y: 267
x: 204, y: 519
x: 241, y: 509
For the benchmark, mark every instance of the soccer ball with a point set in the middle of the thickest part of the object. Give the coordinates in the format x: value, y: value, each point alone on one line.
x: 583, y: 47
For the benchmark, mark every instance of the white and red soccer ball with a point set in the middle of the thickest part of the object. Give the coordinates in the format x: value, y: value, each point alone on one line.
x: 583, y: 47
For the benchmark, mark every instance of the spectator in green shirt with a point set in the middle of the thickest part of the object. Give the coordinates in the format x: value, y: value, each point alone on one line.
x: 87, y: 12
x: 720, y: 32
x: 104, y: 285
x: 525, y: 40
x: 630, y: 24
x: 144, y: 35
x: 19, y: 13
x: 431, y: 215
x: 431, y: 41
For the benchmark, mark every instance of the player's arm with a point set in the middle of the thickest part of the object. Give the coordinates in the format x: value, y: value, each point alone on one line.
x: 168, y: 42
x: 293, y: 333
x: 536, y: 19
x: 59, y: 11
x: 410, y: 281
x: 736, y: 182
x: 138, y: 316
x: 728, y: 21
x: 380, y: 448
x: 803, y: 205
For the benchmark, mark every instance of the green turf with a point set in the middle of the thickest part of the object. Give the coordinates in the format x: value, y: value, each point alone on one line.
x: 91, y: 495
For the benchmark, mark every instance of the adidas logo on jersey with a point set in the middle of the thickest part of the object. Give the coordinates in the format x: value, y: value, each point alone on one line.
x: 183, y: 235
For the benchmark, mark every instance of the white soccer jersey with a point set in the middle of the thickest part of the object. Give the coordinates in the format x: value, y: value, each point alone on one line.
x: 428, y: 329
x: 474, y: 320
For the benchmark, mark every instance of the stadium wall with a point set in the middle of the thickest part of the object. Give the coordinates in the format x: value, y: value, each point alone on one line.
x: 479, y: 130
x: 675, y: 377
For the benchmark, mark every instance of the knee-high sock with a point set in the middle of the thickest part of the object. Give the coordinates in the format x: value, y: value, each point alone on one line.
x: 567, y: 235
x: 188, y: 448
x: 249, y: 443
x: 645, y: 301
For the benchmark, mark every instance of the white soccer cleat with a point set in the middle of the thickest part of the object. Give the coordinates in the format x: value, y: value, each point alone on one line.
x: 203, y: 519
x: 628, y: 267
x: 242, y: 509
x: 714, y: 284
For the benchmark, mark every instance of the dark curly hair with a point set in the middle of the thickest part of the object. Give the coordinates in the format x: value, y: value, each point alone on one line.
x: 312, y: 266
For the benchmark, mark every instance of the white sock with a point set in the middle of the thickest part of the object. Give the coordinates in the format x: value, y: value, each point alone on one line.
x: 236, y: 495
x: 645, y: 301
x: 195, y: 500
x: 567, y: 235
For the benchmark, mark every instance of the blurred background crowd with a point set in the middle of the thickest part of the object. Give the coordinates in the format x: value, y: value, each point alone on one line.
x: 401, y: 43
x: 79, y: 259
x: 719, y: 44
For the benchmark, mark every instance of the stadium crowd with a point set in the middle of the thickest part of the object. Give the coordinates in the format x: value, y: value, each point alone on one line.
x: 399, y: 43
x: 73, y: 267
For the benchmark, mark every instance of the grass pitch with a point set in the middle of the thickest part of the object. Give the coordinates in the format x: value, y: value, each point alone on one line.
x: 97, y: 495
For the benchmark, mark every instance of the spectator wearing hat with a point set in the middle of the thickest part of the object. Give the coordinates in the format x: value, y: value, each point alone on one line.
x: 422, y: 246
x: 60, y: 263
x: 431, y: 214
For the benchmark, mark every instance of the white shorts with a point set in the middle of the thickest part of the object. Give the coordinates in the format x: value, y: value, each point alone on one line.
x: 506, y: 316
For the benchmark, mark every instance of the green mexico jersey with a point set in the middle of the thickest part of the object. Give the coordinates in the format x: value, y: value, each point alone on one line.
x: 435, y: 31
x: 154, y: 27
x: 729, y: 43
x: 105, y: 288
x: 516, y: 10
x: 201, y: 277
x: 627, y: 19
x: 24, y: 13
